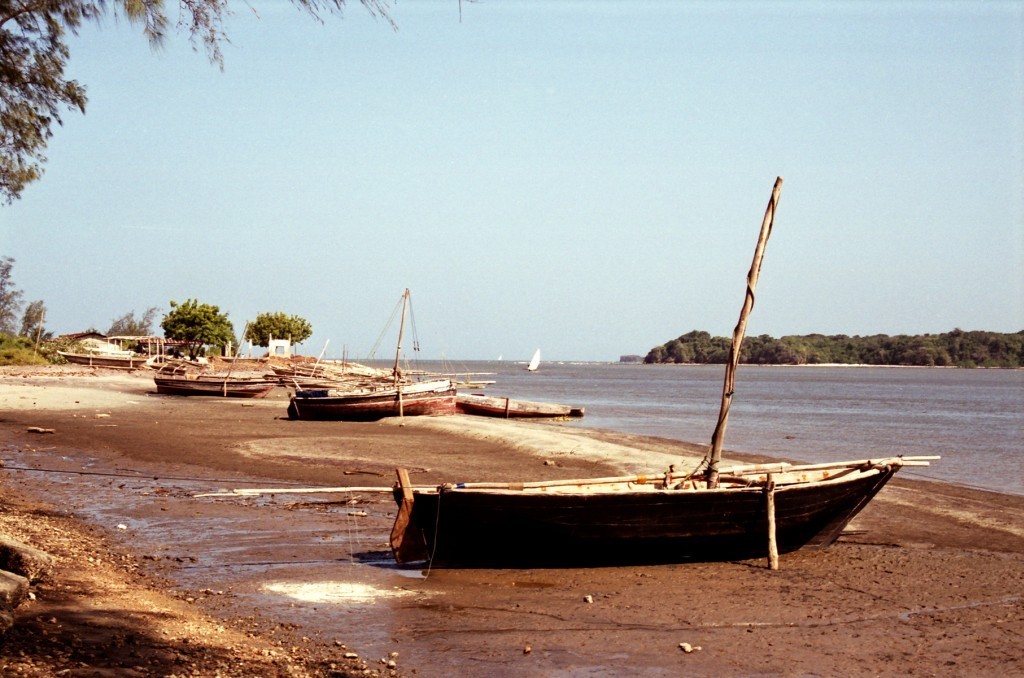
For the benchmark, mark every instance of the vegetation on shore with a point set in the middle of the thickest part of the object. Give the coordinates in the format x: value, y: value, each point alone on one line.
x: 950, y: 349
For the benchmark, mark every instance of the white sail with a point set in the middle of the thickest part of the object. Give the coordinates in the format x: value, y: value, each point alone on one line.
x: 534, y: 361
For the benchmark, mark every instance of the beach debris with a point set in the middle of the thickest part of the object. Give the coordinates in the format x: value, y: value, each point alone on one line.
x: 102, y: 415
x: 39, y: 429
x: 688, y: 649
x: 122, y: 526
x: 588, y: 599
x: 527, y: 649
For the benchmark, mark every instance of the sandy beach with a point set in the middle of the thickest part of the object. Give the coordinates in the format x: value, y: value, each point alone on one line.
x: 153, y: 580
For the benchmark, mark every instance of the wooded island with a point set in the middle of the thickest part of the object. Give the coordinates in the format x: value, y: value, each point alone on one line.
x: 950, y: 349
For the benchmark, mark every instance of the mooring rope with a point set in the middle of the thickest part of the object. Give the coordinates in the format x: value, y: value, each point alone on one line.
x: 437, y: 524
x: 138, y: 477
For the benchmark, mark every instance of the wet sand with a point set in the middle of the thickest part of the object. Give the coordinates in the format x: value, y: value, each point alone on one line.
x: 927, y: 580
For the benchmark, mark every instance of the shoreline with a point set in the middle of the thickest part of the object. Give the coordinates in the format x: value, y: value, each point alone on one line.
x: 927, y: 577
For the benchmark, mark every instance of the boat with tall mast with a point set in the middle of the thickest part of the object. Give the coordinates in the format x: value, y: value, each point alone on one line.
x: 398, y: 398
x: 708, y: 513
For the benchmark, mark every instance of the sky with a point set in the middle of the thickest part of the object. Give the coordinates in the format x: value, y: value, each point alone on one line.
x: 583, y: 177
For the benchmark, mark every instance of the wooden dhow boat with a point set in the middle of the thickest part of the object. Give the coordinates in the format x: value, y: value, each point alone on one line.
x: 710, y: 513
x: 399, y: 398
x: 225, y: 386
x: 508, y: 408
x: 425, y: 398
x: 121, y: 361
x: 706, y: 514
x: 180, y: 378
x: 635, y: 519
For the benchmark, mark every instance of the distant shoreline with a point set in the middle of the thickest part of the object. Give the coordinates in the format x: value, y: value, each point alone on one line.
x: 852, y: 365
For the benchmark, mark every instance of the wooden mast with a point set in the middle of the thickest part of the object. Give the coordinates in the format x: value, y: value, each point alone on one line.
x: 398, y: 351
x: 715, y: 453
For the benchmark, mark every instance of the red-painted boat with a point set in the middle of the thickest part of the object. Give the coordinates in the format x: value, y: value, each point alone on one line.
x: 430, y: 398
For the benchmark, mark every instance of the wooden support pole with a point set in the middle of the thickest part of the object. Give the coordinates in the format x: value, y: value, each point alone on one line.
x: 406, y: 543
x: 773, y: 547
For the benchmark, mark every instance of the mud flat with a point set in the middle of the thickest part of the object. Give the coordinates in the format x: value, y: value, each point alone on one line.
x: 927, y: 580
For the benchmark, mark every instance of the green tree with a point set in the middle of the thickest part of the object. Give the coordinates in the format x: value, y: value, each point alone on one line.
x: 32, y: 321
x: 279, y: 326
x: 35, y: 90
x: 199, y: 324
x: 10, y: 297
x: 130, y: 326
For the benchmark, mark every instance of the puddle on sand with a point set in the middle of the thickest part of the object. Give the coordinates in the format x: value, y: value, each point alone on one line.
x: 340, y: 592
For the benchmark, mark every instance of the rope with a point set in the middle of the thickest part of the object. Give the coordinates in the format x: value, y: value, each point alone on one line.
x: 437, y: 524
x: 138, y: 477
x: 387, y: 326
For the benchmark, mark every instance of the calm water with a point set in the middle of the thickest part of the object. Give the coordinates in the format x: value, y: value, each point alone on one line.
x: 974, y: 419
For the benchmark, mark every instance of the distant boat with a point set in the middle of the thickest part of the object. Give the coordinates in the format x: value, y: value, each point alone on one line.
x: 507, y: 408
x: 124, y: 361
x: 534, y: 361
x: 399, y: 399
x: 415, y: 399
x: 224, y: 386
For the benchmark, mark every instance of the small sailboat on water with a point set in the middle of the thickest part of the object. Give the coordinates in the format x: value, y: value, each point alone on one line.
x: 534, y: 361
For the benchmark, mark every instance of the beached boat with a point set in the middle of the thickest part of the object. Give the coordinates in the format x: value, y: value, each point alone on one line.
x: 123, y: 361
x: 636, y: 519
x: 507, y: 408
x: 226, y: 386
x: 415, y: 399
x: 400, y: 398
x: 708, y: 513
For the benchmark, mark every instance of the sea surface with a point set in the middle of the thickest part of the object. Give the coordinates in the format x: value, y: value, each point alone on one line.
x: 974, y: 418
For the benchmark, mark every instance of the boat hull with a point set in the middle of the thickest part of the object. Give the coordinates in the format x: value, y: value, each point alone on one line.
x: 230, y: 388
x: 111, y: 361
x: 507, y: 408
x: 318, y: 405
x: 466, y: 528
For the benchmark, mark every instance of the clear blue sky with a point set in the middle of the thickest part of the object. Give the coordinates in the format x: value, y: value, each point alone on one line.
x: 584, y: 177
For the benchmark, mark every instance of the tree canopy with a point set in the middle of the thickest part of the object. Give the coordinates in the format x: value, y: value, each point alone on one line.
x: 950, y: 349
x: 35, y: 89
x: 10, y: 297
x: 198, y: 324
x: 279, y: 326
x: 130, y: 326
x: 32, y: 321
